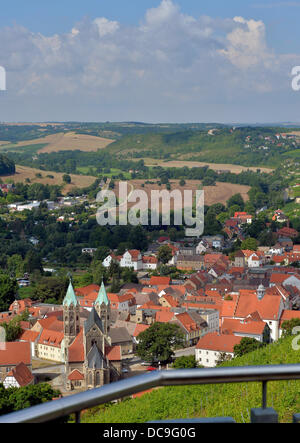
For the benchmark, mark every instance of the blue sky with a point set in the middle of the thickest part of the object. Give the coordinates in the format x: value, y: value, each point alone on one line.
x: 58, y: 16
x: 150, y: 60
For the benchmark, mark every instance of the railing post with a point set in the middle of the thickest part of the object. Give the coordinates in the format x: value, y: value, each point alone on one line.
x: 264, y: 394
x: 264, y: 414
x: 77, y: 416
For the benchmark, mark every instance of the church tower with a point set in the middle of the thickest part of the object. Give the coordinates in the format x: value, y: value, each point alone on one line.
x: 102, y: 306
x: 96, y: 365
x: 71, y: 317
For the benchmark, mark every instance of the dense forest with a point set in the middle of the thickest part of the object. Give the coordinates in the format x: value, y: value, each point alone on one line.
x: 7, y: 166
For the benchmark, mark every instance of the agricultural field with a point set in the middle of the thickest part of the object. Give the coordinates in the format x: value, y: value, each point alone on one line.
x: 69, y: 141
x: 24, y: 172
x: 235, y: 169
x: 212, y: 194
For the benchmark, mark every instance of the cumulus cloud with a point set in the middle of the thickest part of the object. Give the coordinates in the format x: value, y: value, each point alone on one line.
x: 169, y: 59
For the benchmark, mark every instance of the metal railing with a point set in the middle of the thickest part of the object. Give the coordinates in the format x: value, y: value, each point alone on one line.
x: 114, y: 391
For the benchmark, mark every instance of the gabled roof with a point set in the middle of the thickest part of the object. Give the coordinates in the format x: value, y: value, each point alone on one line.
x: 51, y: 338
x: 93, y: 320
x: 30, y: 336
x: 76, y: 349
x: 95, y: 358
x: 22, y: 374
x: 75, y: 375
x: 70, y: 297
x: 268, y: 308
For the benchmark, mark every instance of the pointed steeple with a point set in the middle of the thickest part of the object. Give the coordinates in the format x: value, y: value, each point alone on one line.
x: 102, y: 296
x: 70, y: 297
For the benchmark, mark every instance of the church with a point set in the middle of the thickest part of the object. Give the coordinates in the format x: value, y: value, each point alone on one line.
x: 91, y: 361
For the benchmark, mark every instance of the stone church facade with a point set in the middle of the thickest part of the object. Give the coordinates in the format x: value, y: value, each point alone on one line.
x: 90, y: 360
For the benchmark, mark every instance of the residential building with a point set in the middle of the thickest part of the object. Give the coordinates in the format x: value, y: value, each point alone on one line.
x: 212, y: 346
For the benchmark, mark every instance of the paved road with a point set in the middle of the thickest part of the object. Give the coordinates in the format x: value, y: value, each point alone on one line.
x: 185, y: 352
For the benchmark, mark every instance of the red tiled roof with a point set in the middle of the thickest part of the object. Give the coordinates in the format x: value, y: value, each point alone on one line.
x: 278, y: 277
x: 134, y: 254
x: 86, y: 290
x: 268, y: 307
x: 76, y: 350
x: 239, y: 214
x: 30, y: 336
x: 113, y: 353
x: 46, y: 322
x: 76, y: 375
x: 211, y: 258
x: 288, y: 315
x: 140, y: 328
x: 51, y: 338
x: 22, y: 374
x: 228, y: 306
x: 287, y: 232
x: 232, y: 326
x: 154, y: 281
x: 15, y: 353
x: 236, y: 270
x: 215, y: 342
x: 22, y: 304
x: 171, y: 300
x: 187, y: 321
x: 164, y: 317
x: 149, y: 259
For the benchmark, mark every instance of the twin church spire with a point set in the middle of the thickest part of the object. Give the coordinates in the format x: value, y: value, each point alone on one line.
x: 71, y: 311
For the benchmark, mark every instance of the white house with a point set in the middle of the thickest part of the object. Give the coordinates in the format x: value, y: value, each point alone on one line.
x: 132, y: 259
x: 254, y: 261
x: 210, y: 347
x: 18, y: 377
x: 149, y: 262
x: 201, y: 248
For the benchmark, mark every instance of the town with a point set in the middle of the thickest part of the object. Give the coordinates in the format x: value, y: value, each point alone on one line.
x: 216, y: 300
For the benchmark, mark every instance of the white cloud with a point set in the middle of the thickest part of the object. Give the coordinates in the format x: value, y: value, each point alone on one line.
x: 105, y: 26
x: 170, y: 59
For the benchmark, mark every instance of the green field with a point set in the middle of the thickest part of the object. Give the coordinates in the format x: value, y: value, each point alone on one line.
x: 235, y: 400
x: 222, y: 147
